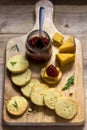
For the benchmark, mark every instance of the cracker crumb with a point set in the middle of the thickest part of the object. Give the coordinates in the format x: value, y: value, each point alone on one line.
x: 66, y: 25
x: 30, y: 110
x: 34, y: 111
x: 70, y: 94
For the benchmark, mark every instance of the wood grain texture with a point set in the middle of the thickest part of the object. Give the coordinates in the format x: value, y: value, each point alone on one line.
x: 10, y: 13
x: 60, y: 2
x: 44, y: 115
x: 64, y: 17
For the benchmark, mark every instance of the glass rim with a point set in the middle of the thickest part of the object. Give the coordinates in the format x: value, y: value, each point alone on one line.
x: 42, y: 49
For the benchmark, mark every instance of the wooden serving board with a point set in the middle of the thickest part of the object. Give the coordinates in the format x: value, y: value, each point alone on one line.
x: 43, y: 115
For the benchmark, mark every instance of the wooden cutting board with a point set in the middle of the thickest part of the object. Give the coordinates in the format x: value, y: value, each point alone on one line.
x: 43, y: 115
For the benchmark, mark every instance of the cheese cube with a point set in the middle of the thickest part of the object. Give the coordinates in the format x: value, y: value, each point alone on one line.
x: 57, y: 39
x: 68, y: 46
x: 64, y: 59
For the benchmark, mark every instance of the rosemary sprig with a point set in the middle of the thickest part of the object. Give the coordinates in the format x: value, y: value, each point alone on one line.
x: 15, y: 47
x: 69, y: 83
x: 13, y: 63
x: 15, y: 104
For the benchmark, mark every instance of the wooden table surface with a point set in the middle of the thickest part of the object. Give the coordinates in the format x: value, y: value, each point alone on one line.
x: 17, y: 20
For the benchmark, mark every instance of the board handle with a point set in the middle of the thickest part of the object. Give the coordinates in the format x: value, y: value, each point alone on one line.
x: 48, y: 25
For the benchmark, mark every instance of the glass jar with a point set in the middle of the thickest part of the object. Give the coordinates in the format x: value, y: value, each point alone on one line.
x: 38, y: 47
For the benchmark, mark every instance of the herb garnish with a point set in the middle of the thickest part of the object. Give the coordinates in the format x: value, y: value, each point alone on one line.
x: 15, y: 104
x: 69, y: 83
x: 15, y: 47
x: 13, y: 63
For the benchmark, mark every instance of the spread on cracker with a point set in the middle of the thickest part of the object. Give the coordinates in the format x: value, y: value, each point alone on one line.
x: 51, y: 74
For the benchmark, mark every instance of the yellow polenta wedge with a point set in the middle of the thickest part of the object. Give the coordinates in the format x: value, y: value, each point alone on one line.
x: 37, y: 94
x: 22, y: 78
x: 65, y: 58
x: 66, y: 108
x: 26, y: 90
x: 68, y: 46
x: 17, y: 64
x: 57, y: 39
x: 51, y: 96
x: 17, y: 105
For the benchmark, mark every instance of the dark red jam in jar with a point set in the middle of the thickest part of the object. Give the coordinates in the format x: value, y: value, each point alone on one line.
x: 38, y: 47
x: 52, y: 71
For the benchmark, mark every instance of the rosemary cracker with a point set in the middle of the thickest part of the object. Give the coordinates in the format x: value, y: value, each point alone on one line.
x: 22, y: 78
x: 26, y: 90
x: 17, y: 64
x: 51, y: 96
x: 66, y: 107
x: 17, y: 105
x: 37, y: 94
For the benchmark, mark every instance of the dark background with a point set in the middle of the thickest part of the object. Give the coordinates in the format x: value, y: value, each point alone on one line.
x: 60, y: 2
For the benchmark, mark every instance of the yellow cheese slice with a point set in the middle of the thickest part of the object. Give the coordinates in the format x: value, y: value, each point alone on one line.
x: 64, y: 59
x: 68, y: 46
x: 57, y: 39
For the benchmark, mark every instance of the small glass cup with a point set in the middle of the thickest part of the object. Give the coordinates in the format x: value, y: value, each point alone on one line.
x: 39, y: 52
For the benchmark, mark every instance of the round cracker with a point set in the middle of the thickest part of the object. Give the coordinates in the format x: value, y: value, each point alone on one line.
x: 66, y: 107
x: 26, y: 90
x: 37, y: 94
x: 50, y: 81
x: 22, y: 78
x: 17, y: 64
x: 51, y: 96
x: 17, y: 105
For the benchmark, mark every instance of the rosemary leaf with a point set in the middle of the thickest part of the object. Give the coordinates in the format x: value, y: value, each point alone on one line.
x: 71, y: 78
x: 15, y: 105
x: 69, y: 83
x: 13, y: 63
x: 15, y: 47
